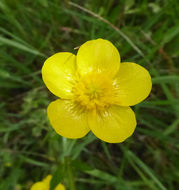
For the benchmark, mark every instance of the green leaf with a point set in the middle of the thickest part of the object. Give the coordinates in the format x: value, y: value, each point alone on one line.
x: 58, y: 176
x: 20, y: 46
x: 165, y: 79
x: 145, y: 168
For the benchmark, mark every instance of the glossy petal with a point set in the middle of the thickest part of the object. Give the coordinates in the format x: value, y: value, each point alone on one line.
x: 66, y: 119
x: 114, y: 125
x: 134, y: 84
x: 39, y: 186
x: 60, y: 187
x: 58, y: 73
x: 47, y: 180
x: 42, y: 185
x: 98, y: 56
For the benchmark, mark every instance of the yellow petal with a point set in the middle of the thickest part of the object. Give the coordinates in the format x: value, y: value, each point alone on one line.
x: 134, y: 84
x: 114, y: 125
x: 60, y: 187
x: 47, y: 180
x: 58, y: 73
x: 66, y: 119
x: 39, y: 186
x: 98, y: 56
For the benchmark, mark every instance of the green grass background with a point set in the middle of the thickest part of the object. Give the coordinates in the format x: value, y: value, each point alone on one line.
x: 145, y: 32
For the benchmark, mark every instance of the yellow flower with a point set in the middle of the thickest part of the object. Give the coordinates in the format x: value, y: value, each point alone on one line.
x: 95, y: 91
x: 45, y: 184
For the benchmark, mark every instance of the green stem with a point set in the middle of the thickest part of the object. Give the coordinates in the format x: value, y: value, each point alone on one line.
x: 71, y: 179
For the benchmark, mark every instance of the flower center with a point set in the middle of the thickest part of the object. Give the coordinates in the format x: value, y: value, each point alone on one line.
x: 94, y: 91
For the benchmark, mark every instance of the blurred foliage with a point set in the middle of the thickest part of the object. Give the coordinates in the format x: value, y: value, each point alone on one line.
x: 148, y: 34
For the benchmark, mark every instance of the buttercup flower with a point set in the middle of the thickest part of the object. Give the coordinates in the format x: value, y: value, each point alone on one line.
x: 45, y: 184
x: 95, y: 91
